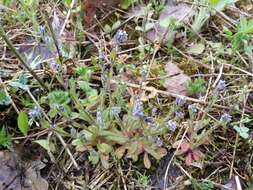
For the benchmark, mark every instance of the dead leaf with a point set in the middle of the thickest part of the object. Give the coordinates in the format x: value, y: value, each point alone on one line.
x: 19, y: 175
x: 188, y: 159
x: 232, y: 184
x: 146, y: 96
x: 161, y: 32
x: 139, y: 11
x: 91, y: 6
x: 176, y: 83
x: 174, y: 175
x: 146, y: 161
x: 120, y: 152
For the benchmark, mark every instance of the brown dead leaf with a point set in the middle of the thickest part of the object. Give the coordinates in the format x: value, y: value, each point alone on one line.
x: 181, y: 12
x: 139, y: 11
x: 176, y: 83
x: 91, y: 6
x: 146, y: 161
x: 146, y: 96
x: 231, y: 184
x: 129, y: 76
x: 120, y: 152
x: 19, y: 175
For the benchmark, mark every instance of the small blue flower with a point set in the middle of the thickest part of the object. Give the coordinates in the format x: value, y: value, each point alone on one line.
x: 151, y: 122
x: 154, y: 111
x: 55, y: 67
x: 35, y: 112
x: 60, y: 108
x: 179, y: 114
x: 138, y: 108
x: 42, y: 30
x: 115, y: 111
x: 120, y: 37
x: 100, y: 55
x: 159, y: 142
x: 192, y: 108
x: 225, y: 118
x: 144, y: 73
x: 99, y: 118
x: 171, y: 125
x: 180, y: 101
x: 221, y: 86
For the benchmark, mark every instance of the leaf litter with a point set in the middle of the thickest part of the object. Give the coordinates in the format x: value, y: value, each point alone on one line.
x: 176, y: 81
x: 161, y: 31
x: 18, y: 174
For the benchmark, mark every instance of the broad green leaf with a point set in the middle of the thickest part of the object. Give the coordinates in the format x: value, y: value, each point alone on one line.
x: 46, y: 144
x: 116, y: 25
x: 152, y: 152
x: 213, y: 2
x: 94, y: 157
x: 4, y: 98
x: 196, y: 49
x: 107, y: 29
x: 114, y: 136
x: 242, y: 131
x: 165, y: 23
x: 68, y: 2
x: 57, y: 98
x: 126, y: 3
x: 23, y: 123
x: 104, y: 148
x: 5, y: 140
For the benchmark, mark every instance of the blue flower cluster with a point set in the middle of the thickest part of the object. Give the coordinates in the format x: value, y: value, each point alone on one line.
x: 138, y: 107
x: 120, y: 37
x: 35, y: 112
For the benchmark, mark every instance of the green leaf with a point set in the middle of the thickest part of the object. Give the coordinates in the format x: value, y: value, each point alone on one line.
x: 104, y: 148
x: 107, y: 29
x: 196, y: 49
x: 46, y: 144
x: 4, y: 98
x: 68, y: 2
x: 58, y: 97
x: 94, y: 157
x: 116, y: 137
x: 21, y: 82
x: 168, y: 22
x: 5, y: 140
x: 23, y: 123
x: 126, y: 3
x: 242, y: 131
x: 116, y: 25
x: 152, y: 152
x: 213, y: 2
